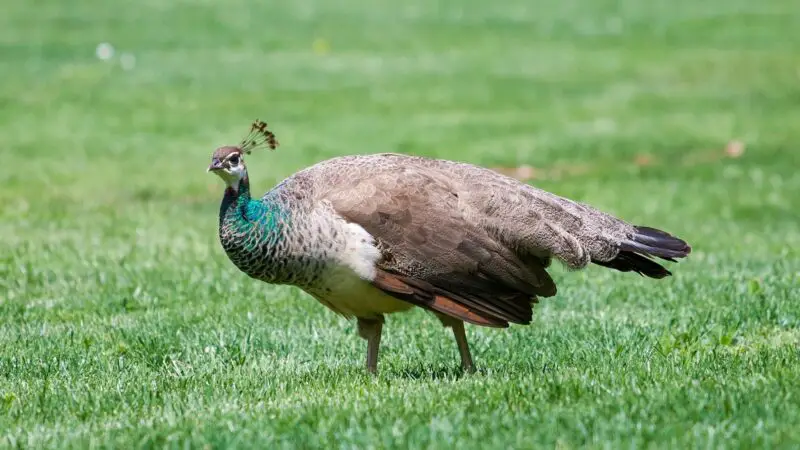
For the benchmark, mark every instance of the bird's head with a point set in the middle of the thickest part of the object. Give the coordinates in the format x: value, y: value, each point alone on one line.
x: 228, y: 162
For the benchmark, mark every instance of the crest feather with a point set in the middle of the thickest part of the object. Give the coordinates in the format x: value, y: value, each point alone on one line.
x: 258, y: 137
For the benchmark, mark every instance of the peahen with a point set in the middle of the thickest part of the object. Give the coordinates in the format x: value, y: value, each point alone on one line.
x: 375, y: 234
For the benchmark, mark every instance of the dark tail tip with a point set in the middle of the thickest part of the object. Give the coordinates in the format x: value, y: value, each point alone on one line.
x: 658, y: 243
x: 635, y: 253
x: 634, y: 262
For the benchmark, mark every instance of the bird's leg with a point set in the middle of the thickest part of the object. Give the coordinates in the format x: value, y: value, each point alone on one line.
x: 461, y: 341
x: 463, y: 346
x: 370, y: 329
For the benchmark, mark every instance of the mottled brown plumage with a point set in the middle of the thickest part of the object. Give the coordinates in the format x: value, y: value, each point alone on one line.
x: 474, y: 236
x: 379, y: 233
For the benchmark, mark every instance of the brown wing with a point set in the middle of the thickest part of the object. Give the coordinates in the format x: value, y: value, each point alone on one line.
x: 435, y: 256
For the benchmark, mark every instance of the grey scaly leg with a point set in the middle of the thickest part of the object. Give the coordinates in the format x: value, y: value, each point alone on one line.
x: 463, y: 346
x: 461, y: 340
x: 370, y: 329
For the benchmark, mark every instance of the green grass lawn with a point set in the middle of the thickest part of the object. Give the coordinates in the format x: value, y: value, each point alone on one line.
x: 122, y: 322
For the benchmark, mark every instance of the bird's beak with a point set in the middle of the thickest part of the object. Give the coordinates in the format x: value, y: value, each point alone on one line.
x: 215, y: 165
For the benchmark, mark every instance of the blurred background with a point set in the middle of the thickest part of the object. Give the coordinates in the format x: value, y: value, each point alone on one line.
x: 678, y: 114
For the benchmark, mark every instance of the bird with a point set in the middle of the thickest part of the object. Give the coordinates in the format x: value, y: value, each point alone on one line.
x: 375, y: 234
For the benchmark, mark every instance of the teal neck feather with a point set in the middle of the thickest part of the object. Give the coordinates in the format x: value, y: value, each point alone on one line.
x: 239, y: 214
x: 236, y: 203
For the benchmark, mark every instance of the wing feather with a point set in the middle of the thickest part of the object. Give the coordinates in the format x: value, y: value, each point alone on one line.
x: 435, y: 254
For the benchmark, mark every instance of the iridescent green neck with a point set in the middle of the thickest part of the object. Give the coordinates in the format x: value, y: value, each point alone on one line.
x: 240, y: 213
x: 234, y: 203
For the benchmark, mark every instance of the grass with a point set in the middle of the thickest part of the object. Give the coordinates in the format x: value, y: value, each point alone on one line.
x: 123, y: 324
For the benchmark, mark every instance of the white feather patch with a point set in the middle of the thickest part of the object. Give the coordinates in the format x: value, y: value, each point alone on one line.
x: 346, y: 287
x: 360, y: 254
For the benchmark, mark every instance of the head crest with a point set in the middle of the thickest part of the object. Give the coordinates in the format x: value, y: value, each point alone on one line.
x: 258, y: 137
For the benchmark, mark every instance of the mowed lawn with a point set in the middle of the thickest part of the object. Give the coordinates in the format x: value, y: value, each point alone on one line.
x: 123, y: 324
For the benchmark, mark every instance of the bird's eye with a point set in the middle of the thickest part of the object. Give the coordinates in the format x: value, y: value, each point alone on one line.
x: 234, y: 160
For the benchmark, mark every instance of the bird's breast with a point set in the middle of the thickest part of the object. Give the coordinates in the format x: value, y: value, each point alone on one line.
x: 344, y: 291
x: 345, y: 283
x: 272, y: 257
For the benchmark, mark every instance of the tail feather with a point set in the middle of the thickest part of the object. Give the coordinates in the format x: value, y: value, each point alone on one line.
x: 657, y: 243
x: 634, y: 262
x: 636, y: 253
